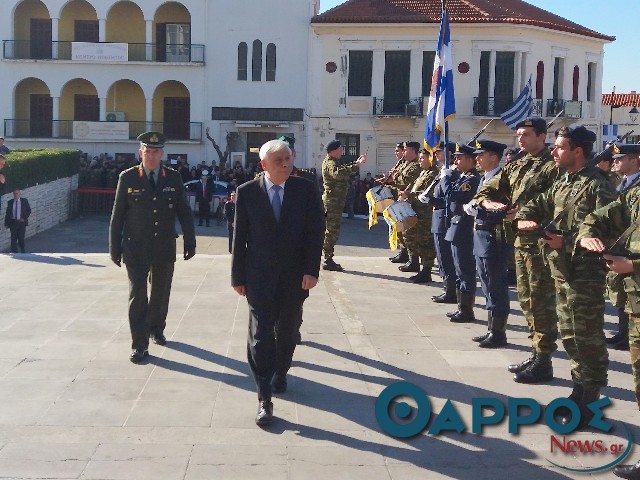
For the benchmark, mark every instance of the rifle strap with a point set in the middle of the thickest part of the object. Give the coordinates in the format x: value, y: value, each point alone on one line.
x: 573, y: 200
x: 622, y: 239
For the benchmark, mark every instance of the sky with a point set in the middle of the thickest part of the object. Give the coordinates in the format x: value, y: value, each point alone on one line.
x: 619, y: 18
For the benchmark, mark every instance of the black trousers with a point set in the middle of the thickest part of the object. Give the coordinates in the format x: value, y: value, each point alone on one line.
x: 18, y: 230
x: 204, y: 211
x: 273, y: 328
x: 148, y: 315
x: 230, y: 228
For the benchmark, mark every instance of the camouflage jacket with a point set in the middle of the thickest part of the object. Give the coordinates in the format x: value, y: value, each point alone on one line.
x: 404, y: 175
x: 424, y: 181
x: 335, y: 178
x: 520, y: 181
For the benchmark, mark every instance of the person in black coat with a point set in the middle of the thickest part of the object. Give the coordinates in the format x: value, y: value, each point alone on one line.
x: 142, y: 233
x: 229, y: 215
x: 204, y: 194
x: 277, y: 245
x: 16, y: 220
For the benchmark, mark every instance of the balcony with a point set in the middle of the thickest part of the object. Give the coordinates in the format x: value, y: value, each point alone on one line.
x: 572, y: 109
x: 393, y: 107
x: 64, y: 129
x: 133, y: 52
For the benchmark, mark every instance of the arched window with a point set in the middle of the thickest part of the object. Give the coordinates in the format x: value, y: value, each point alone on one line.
x: 576, y: 82
x: 256, y: 61
x: 540, y: 79
x: 271, y: 62
x: 242, y: 61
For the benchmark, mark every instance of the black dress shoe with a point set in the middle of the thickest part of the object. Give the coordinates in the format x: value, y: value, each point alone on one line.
x: 159, y: 339
x: 494, y: 340
x: 332, y: 266
x: 460, y: 317
x: 265, y: 413
x: 279, y: 384
x: 630, y: 472
x: 138, y: 355
x: 452, y: 314
x: 445, y: 298
x: 480, y: 338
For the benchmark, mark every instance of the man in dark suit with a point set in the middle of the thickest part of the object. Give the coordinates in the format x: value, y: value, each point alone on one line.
x: 204, y: 193
x: 142, y: 233
x: 230, y: 215
x: 277, y: 244
x: 16, y: 220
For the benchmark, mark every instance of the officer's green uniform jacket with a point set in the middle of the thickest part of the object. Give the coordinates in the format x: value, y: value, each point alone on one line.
x: 424, y: 181
x: 142, y: 229
x: 335, y: 178
x: 548, y: 205
x: 405, y: 174
x: 521, y: 181
x: 608, y: 224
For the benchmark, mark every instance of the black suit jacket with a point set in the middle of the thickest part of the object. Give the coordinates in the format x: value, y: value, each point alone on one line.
x: 268, y: 255
x: 143, y: 222
x: 204, y: 195
x: 25, y: 211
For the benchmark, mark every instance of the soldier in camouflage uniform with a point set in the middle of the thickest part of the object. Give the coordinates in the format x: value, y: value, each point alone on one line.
x: 419, y: 238
x: 611, y: 224
x: 403, y: 177
x: 335, y: 178
x: 579, y: 284
x: 403, y: 255
x: 520, y: 181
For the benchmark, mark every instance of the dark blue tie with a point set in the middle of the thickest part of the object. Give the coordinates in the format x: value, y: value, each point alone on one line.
x: 276, y: 202
x: 152, y: 181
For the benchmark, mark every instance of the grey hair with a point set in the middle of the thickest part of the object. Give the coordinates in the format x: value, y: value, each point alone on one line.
x: 273, y: 146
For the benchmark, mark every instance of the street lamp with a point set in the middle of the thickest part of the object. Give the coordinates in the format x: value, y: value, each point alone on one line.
x: 633, y: 114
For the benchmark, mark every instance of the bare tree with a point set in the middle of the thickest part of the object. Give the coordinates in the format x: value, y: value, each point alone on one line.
x: 230, y: 139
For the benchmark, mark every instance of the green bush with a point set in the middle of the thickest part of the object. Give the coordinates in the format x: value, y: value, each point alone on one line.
x: 27, y: 168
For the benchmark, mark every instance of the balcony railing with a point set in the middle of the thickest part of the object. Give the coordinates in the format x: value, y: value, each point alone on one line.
x: 572, y: 109
x: 491, y: 106
x: 64, y: 129
x: 137, y: 52
x: 536, y: 110
x: 403, y: 107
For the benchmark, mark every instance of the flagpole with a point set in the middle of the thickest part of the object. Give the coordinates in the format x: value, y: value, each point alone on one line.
x: 446, y: 123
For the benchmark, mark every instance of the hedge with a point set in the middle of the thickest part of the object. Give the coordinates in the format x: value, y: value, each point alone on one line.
x: 27, y: 168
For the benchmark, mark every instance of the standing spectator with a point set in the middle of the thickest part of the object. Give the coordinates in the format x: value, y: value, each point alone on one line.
x: 142, y: 233
x: 183, y: 168
x: 204, y: 194
x: 3, y: 180
x: 16, y: 220
x: 3, y: 148
x: 229, y: 214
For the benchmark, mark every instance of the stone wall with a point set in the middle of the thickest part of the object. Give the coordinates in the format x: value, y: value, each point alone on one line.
x: 50, y: 205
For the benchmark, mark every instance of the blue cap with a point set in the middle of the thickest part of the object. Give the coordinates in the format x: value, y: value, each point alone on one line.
x: 489, y: 146
x: 463, y: 149
x: 625, y: 149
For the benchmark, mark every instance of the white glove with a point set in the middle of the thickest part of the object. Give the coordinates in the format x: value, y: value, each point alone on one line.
x: 424, y: 198
x: 470, y: 209
x: 445, y: 172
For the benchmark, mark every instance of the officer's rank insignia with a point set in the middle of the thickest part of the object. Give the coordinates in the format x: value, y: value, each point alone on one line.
x: 129, y: 190
x: 465, y: 187
x: 457, y: 147
x: 616, y: 150
x: 478, y: 145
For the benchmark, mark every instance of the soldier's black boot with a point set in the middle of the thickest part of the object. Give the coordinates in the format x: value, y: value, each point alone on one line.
x: 465, y: 315
x: 423, y: 276
x: 457, y: 311
x: 620, y: 341
x: 630, y: 472
x: 401, y: 257
x: 589, y: 395
x: 563, y: 415
x: 519, y: 367
x: 540, y: 370
x: 332, y: 266
x: 449, y: 294
x: 413, y: 265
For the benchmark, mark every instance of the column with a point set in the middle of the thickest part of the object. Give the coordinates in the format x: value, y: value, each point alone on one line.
x: 103, y: 109
x: 149, y: 114
x: 102, y: 29
x: 344, y: 77
x: 492, y: 82
x: 56, y: 116
x: 517, y: 75
x: 377, y: 76
x: 54, y: 38
x: 149, y: 40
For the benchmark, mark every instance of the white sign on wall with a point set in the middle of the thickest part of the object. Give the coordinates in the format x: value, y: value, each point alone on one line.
x: 100, y: 52
x: 101, y: 130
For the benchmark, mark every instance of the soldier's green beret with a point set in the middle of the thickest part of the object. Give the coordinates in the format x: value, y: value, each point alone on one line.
x: 152, y: 139
x: 333, y: 145
x: 537, y: 123
x: 578, y: 134
x: 290, y: 140
x: 625, y: 149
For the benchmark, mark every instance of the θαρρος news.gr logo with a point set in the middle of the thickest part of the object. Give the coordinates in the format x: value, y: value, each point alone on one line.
x: 399, y: 419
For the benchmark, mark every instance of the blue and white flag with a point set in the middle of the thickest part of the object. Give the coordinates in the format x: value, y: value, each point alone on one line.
x: 521, y: 108
x: 442, y: 103
x: 609, y: 134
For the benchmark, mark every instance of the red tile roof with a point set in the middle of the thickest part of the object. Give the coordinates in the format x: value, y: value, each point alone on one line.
x: 621, y: 99
x: 460, y: 11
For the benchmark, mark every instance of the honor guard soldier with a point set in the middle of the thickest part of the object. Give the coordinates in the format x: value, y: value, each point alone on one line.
x: 617, y: 225
x: 579, y: 284
x: 492, y: 251
x: 460, y: 186
x: 335, y: 177
x: 520, y: 181
x: 142, y: 234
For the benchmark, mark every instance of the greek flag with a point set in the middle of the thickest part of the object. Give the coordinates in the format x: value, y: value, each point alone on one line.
x: 442, y: 103
x: 609, y: 134
x: 521, y: 109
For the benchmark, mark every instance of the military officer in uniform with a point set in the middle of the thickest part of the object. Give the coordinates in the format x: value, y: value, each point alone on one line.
x: 142, y: 233
x: 460, y: 186
x: 491, y: 249
x: 520, y: 181
x: 419, y: 238
x: 579, y: 284
x: 609, y: 226
x: 335, y: 177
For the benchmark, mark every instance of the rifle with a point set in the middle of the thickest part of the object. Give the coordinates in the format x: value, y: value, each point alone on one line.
x: 604, y: 154
x: 522, y: 153
x: 477, y: 135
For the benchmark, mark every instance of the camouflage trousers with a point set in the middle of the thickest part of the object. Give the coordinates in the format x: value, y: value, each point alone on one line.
x: 537, y: 296
x: 332, y: 229
x: 634, y: 349
x: 419, y: 240
x: 580, y: 306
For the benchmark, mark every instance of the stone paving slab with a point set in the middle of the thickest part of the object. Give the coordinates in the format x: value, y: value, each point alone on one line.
x: 73, y: 407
